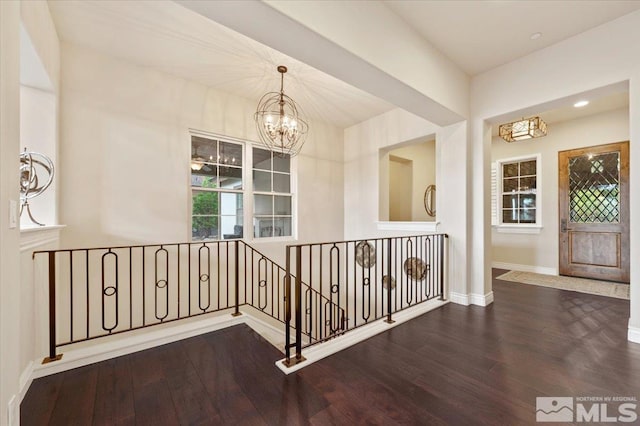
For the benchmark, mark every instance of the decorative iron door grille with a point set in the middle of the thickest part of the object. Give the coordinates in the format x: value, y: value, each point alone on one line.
x: 594, y: 188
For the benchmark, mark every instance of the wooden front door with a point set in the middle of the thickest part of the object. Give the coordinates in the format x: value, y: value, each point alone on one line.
x: 594, y: 212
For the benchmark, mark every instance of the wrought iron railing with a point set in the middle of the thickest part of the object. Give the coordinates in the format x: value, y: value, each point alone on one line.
x: 360, y: 281
x: 99, y: 292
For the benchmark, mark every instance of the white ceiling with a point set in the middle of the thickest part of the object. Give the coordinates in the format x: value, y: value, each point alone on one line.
x: 481, y: 35
x: 477, y: 35
x: 167, y: 37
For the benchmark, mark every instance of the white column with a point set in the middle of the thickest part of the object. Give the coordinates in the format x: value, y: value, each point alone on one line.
x: 9, y: 237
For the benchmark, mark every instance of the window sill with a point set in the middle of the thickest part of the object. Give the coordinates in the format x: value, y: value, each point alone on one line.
x: 518, y: 229
x: 408, y: 226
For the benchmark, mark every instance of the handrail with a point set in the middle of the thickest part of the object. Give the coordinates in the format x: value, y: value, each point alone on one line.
x: 366, y: 279
x: 96, y: 292
x: 103, y: 291
x: 325, y: 290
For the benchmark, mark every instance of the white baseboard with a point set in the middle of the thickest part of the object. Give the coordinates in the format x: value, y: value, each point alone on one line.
x: 13, y: 411
x: 459, y: 298
x: 633, y: 334
x: 525, y: 268
x: 317, y: 352
x: 97, y: 352
x: 481, y: 299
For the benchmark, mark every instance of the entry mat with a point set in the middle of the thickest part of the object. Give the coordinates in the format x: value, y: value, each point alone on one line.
x: 581, y: 285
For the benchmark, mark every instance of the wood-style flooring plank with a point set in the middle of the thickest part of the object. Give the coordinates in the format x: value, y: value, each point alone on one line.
x: 454, y: 365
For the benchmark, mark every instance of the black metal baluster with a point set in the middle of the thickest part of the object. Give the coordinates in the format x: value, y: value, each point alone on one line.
x: 144, y: 298
x: 130, y: 287
x: 389, y: 280
x: 189, y: 278
x: 52, y: 310
x: 178, y: 248
x: 161, y: 284
x: 236, y: 268
x: 86, y: 256
x: 204, y: 278
x: 299, y: 357
x: 71, y: 295
x: 109, y: 291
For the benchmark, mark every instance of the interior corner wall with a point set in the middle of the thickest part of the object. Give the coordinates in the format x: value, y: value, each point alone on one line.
x: 564, y: 69
x: 423, y: 156
x: 125, y: 151
x: 540, y: 251
x: 10, y: 327
x: 362, y: 145
x: 361, y: 180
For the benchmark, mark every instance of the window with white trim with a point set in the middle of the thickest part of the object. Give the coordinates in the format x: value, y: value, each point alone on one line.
x: 518, y: 193
x: 230, y: 178
x: 272, y: 198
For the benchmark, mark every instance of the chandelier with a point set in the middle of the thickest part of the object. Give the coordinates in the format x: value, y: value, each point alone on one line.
x: 280, y: 127
x: 527, y: 128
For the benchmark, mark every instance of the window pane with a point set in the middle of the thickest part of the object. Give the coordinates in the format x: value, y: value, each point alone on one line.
x: 281, y: 183
x: 527, y: 201
x: 263, y: 204
x: 528, y: 216
x: 281, y: 163
x: 204, y: 227
x: 261, y: 181
x: 261, y: 159
x: 230, y: 153
x: 231, y: 227
x: 282, y: 205
x: 282, y: 227
x: 509, y: 216
x: 205, y: 169
x: 509, y: 185
x: 200, y: 181
x: 263, y: 226
x: 203, y: 149
x: 510, y: 170
x: 510, y: 201
x: 205, y: 203
x: 231, y: 203
x: 527, y: 184
x: 230, y: 177
x: 528, y: 168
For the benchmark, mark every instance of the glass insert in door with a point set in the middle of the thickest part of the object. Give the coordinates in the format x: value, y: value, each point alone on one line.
x: 594, y: 188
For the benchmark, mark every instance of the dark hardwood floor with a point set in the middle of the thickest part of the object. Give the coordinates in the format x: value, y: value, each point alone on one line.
x: 455, y: 365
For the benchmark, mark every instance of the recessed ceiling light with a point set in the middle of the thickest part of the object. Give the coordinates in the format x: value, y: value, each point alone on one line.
x: 580, y: 104
x: 535, y: 36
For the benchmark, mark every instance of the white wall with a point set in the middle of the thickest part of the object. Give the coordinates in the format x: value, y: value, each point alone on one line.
x: 599, y: 57
x: 540, y: 251
x: 361, y: 181
x: 125, y: 152
x: 400, y: 189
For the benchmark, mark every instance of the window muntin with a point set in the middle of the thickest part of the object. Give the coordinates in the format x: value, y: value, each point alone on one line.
x: 221, y: 189
x: 272, y: 198
x: 217, y: 204
x: 519, y: 203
